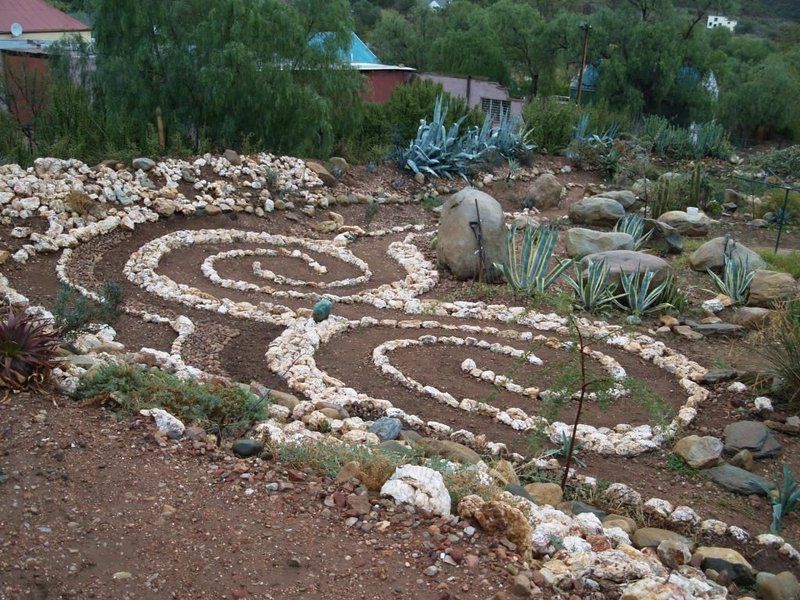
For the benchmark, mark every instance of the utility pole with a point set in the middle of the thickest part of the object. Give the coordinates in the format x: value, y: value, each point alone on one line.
x: 586, y: 28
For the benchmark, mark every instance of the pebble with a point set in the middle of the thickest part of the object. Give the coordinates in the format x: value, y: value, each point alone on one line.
x: 431, y: 571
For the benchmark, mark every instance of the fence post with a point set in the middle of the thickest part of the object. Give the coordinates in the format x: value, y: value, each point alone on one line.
x: 781, y: 219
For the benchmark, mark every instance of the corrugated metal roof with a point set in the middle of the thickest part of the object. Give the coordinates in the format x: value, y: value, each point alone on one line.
x: 36, y: 16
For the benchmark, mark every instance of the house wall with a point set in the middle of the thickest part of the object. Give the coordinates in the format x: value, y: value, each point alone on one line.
x: 474, y: 90
x: 26, y: 77
x: 381, y: 84
x: 86, y: 36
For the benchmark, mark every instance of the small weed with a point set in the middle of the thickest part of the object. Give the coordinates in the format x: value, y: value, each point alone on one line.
x: 661, y: 413
x: 677, y: 464
x: 370, y: 211
x: 429, y: 202
x: 738, y: 505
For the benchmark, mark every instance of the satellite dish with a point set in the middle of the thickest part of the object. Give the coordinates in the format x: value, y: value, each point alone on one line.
x: 16, y: 29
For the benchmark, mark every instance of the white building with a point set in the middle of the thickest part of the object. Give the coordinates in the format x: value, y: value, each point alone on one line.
x: 720, y: 21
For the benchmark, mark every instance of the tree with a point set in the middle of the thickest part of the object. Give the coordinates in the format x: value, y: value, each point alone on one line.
x: 230, y: 71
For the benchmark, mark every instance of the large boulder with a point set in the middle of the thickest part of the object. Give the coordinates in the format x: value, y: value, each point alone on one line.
x: 323, y: 173
x: 419, y: 486
x: 545, y: 192
x: 738, y: 480
x: 769, y: 287
x: 625, y: 197
x: 629, y: 261
x: 580, y: 242
x: 596, y: 210
x: 457, y: 246
x: 663, y: 237
x: 699, y: 452
x: 711, y: 255
x: 727, y: 560
x: 689, y: 225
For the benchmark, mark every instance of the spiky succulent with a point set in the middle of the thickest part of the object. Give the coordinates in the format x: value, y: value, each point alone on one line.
x: 27, y: 350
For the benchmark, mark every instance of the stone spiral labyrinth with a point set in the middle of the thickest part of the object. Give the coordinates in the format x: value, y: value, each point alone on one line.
x: 253, y: 276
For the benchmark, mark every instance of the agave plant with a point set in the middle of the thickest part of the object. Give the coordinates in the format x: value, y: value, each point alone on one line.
x: 27, y: 350
x: 633, y: 225
x: 443, y: 152
x: 563, y: 450
x: 639, y: 296
x: 735, y: 280
x: 511, y: 139
x: 784, y: 499
x: 528, y: 270
x: 591, y: 287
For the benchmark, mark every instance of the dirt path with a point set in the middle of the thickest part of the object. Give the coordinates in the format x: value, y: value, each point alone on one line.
x: 93, y: 507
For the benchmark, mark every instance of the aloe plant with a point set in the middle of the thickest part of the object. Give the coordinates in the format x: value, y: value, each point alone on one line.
x: 27, y: 350
x: 633, y: 225
x: 640, y: 297
x: 528, y: 269
x: 735, y: 280
x: 591, y: 287
x: 784, y: 499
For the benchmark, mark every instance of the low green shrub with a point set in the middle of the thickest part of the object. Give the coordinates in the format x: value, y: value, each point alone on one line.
x: 226, y: 410
x: 787, y: 262
x: 551, y: 122
x: 783, y: 163
x: 73, y: 312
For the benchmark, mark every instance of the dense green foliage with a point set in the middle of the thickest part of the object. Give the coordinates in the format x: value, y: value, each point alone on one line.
x: 191, y: 76
x: 222, y: 410
x: 73, y: 312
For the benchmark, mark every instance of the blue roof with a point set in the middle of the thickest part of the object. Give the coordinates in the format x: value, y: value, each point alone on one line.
x: 590, y: 76
x: 358, y: 52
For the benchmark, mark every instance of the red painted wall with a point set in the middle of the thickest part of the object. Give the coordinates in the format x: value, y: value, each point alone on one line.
x: 381, y: 84
x: 27, y: 80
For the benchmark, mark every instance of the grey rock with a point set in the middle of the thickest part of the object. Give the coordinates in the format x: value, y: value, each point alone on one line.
x: 410, y: 436
x: 689, y: 225
x: 711, y: 255
x: 142, y: 163
x: 699, y: 452
x: 596, y: 210
x: 710, y: 329
x: 738, y: 480
x: 246, y: 447
x: 450, y: 450
x: 579, y: 242
x: 625, y: 197
x: 783, y: 586
x: 745, y: 435
x: 232, y: 157
x: 188, y: 175
x: 674, y: 554
x: 718, y: 375
x: 751, y: 317
x: 395, y: 448
x: 545, y: 192
x: 742, y: 459
x: 629, y: 261
x: 518, y: 490
x: 663, y: 237
x: 652, y: 537
x: 457, y: 247
x: 727, y: 561
x: 387, y: 428
x: 577, y: 507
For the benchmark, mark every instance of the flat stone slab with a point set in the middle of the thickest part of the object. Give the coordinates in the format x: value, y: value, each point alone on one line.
x: 738, y: 480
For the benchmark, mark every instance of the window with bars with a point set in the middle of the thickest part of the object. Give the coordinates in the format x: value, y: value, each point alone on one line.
x: 495, y: 107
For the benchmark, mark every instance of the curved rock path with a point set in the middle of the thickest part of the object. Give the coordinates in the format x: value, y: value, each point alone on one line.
x: 97, y: 508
